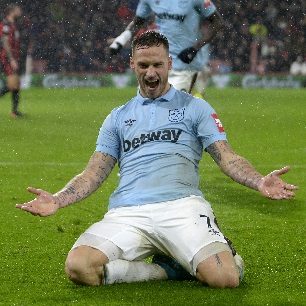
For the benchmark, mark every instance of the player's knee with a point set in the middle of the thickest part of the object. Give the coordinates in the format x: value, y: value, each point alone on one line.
x: 82, y: 270
x: 226, y: 276
x: 74, y: 268
x: 226, y: 279
x: 230, y: 281
x: 13, y: 82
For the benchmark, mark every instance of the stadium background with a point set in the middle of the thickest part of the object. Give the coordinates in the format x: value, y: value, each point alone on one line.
x: 71, y: 37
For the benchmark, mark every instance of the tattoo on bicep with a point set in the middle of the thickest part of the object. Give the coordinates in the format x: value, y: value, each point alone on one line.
x: 214, y: 152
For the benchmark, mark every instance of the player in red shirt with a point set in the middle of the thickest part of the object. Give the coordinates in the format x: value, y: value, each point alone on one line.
x: 9, y: 55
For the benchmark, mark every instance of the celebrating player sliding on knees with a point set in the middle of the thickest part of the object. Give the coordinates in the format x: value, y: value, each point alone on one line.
x: 157, y: 207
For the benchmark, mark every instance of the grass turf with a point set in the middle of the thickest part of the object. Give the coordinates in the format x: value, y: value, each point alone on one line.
x: 54, y: 142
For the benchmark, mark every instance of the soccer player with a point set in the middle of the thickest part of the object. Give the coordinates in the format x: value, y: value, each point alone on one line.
x: 181, y: 22
x: 9, y: 55
x: 157, y: 138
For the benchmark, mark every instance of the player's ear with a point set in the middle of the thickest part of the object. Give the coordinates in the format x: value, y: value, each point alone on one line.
x: 170, y: 63
x: 132, y: 65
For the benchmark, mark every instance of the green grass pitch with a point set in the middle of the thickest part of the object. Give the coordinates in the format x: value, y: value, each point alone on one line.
x: 54, y: 143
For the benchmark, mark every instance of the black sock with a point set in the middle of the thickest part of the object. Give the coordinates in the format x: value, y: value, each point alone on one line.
x: 3, y: 91
x: 15, y: 95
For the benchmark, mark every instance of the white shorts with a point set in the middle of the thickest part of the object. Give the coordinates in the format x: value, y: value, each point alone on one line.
x: 182, y: 80
x: 179, y: 228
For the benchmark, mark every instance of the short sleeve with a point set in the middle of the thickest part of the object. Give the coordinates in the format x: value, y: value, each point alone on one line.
x: 108, y: 139
x: 209, y: 127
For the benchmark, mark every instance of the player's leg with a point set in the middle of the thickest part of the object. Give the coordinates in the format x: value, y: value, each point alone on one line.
x: 182, y: 80
x: 5, y: 66
x: 126, y: 271
x: 109, y: 252
x: 13, y: 84
x: 84, y: 265
x: 88, y: 266
x: 201, y: 81
x: 194, y: 219
x: 220, y: 270
x: 4, y: 91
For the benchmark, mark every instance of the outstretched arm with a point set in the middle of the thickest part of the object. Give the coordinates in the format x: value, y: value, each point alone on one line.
x: 80, y: 187
x: 126, y: 35
x: 241, y: 171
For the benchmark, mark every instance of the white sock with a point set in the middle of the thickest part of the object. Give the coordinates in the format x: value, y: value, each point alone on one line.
x: 124, y: 271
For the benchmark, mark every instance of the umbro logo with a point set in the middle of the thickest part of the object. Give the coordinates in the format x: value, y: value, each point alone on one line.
x: 129, y: 122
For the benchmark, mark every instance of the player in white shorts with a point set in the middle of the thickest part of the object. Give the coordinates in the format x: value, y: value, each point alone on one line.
x: 158, y: 139
x: 191, y: 216
x: 181, y: 21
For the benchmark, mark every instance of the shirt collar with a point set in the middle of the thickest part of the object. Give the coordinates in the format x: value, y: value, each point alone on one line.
x: 165, y: 98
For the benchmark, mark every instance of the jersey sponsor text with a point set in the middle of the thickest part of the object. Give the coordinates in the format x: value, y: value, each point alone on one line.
x: 166, y: 135
x: 168, y: 16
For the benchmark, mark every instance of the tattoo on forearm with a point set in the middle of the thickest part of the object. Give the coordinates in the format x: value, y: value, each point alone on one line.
x: 244, y: 173
x: 80, y: 187
x: 233, y: 165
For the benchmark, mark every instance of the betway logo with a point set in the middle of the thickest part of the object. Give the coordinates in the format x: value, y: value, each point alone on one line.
x: 168, y: 16
x: 167, y: 135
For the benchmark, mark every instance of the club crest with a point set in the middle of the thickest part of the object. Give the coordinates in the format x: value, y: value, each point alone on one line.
x: 183, y: 3
x: 176, y: 115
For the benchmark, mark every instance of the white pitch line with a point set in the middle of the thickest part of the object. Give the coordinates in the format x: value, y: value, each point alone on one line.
x: 40, y: 164
x: 82, y: 164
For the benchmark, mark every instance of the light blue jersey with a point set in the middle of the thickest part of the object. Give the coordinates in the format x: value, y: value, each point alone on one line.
x: 180, y: 21
x: 158, y: 144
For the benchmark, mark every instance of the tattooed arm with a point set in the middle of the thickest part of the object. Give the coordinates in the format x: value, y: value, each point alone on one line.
x: 241, y: 171
x: 236, y: 167
x: 80, y: 187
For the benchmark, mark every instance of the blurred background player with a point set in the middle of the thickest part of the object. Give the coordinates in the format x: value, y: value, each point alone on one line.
x: 202, y: 76
x: 181, y: 22
x: 10, y: 54
x: 298, y: 67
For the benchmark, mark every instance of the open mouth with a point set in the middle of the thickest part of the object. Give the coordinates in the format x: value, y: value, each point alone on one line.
x: 152, y: 84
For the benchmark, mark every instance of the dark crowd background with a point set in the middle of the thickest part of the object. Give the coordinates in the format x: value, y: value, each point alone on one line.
x: 72, y: 36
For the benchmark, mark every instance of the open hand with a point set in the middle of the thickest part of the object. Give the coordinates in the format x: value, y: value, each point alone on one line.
x: 272, y: 187
x: 43, y: 205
